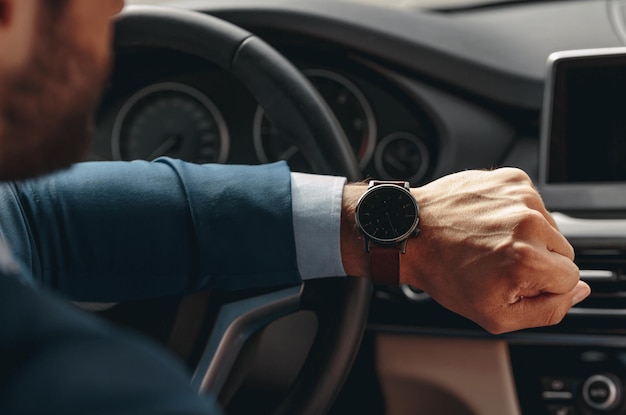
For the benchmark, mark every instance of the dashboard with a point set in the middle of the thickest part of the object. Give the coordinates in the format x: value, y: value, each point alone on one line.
x: 163, y: 103
x: 420, y: 93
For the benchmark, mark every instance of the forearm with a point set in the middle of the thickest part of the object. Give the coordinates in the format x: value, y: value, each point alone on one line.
x: 115, y: 231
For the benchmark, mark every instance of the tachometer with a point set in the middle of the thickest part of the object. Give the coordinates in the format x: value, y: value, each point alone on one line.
x: 349, y: 105
x: 170, y: 119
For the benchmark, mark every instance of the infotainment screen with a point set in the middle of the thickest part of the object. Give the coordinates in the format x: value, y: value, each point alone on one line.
x: 583, y: 138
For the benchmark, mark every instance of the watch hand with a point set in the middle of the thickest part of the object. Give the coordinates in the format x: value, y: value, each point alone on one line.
x: 391, y: 224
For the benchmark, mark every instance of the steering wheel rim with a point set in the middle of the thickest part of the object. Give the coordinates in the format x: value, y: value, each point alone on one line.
x: 297, y: 110
x: 288, y: 99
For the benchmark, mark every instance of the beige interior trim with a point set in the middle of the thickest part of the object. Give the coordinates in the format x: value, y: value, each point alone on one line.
x: 423, y: 375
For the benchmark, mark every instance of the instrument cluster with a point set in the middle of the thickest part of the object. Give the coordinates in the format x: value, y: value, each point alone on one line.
x: 198, y: 113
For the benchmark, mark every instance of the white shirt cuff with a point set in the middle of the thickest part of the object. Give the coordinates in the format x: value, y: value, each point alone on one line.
x: 316, y: 204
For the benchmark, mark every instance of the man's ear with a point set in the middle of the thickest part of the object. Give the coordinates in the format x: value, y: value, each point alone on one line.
x: 18, y: 25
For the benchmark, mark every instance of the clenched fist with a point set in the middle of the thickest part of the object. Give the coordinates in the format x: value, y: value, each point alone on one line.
x: 488, y: 250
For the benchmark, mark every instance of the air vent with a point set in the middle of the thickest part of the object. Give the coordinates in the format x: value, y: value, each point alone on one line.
x: 600, y: 245
x: 605, y: 271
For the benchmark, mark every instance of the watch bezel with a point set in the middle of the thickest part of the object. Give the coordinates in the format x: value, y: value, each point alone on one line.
x: 379, y: 187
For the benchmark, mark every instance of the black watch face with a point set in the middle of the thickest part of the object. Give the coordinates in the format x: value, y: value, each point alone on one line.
x: 387, y: 214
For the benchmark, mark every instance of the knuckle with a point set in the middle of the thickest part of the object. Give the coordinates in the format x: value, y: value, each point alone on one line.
x: 528, y: 196
x: 515, y: 174
x: 529, y: 221
x: 517, y: 257
x: 509, y: 248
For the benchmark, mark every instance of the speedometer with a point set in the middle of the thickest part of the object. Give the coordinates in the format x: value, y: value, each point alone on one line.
x: 170, y: 119
x: 351, y: 109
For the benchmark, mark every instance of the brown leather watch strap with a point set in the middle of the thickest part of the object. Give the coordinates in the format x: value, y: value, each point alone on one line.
x: 385, y: 264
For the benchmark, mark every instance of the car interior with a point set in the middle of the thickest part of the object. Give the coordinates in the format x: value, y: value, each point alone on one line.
x: 396, y: 90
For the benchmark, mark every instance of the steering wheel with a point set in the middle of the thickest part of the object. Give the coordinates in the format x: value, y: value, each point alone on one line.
x: 296, y: 109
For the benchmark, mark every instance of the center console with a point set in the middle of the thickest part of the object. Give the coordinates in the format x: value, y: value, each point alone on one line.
x: 568, y: 380
x: 580, y: 367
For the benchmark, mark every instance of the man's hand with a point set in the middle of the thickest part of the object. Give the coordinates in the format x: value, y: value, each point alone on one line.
x: 488, y: 250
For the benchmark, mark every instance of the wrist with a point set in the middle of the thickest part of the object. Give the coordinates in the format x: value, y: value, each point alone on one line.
x: 353, y: 255
x: 414, y: 264
x: 356, y: 259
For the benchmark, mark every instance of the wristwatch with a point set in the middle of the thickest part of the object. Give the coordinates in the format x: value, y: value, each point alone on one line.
x: 387, y: 215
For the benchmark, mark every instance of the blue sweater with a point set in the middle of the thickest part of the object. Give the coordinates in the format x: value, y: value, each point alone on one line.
x: 111, y: 231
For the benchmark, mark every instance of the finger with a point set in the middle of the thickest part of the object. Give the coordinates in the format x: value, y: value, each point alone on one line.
x: 548, y: 272
x: 581, y: 291
x: 531, y: 198
x: 521, y: 185
x: 549, y: 309
x: 536, y: 202
x: 539, y: 311
x: 557, y: 243
x: 542, y: 209
x: 532, y: 226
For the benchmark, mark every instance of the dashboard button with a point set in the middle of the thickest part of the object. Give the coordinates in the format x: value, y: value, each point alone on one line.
x: 562, y: 410
x: 556, y: 384
x: 602, y: 392
x: 557, y: 388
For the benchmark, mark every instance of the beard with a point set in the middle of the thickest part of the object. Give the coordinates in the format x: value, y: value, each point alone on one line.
x: 46, y: 110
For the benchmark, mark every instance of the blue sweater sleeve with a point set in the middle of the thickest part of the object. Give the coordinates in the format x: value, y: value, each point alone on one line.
x: 59, y: 360
x: 114, y: 231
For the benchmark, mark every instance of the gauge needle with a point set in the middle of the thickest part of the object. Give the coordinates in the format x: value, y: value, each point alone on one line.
x: 289, y: 153
x: 392, y: 160
x: 165, y: 146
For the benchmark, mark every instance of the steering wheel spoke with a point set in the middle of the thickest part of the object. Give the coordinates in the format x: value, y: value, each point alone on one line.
x: 235, y: 324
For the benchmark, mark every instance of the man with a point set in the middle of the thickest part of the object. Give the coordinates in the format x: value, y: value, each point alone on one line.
x: 488, y: 249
